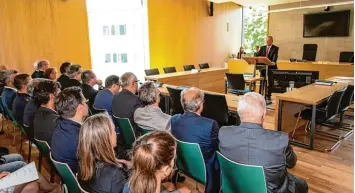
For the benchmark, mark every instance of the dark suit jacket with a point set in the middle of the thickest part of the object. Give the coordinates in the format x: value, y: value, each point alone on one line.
x: 192, y: 128
x: 103, y: 100
x: 44, y: 123
x: 18, y: 106
x: 30, y: 112
x: 250, y: 144
x: 124, y: 104
x: 70, y: 83
x: 273, y: 54
x: 8, y: 97
x: 63, y: 80
x: 89, y: 93
x: 38, y: 74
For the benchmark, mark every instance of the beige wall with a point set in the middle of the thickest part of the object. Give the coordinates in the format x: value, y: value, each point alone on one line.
x: 287, y: 29
x: 182, y: 32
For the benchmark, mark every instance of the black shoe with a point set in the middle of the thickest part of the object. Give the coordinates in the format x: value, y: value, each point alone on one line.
x: 2, y: 132
x: 181, y: 179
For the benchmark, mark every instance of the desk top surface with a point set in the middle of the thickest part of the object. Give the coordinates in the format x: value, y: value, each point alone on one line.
x: 316, y: 63
x: 315, y: 94
x: 183, y: 73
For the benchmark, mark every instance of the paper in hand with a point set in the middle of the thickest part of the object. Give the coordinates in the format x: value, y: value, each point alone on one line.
x: 23, y: 175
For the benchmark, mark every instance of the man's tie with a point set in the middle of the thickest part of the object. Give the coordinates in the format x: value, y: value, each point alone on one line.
x: 267, y: 51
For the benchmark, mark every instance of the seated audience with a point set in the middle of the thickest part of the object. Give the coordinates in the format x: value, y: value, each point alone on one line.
x: 99, y: 169
x: 191, y: 127
x: 42, y: 66
x: 241, y: 53
x: 11, y: 162
x: 249, y: 143
x: 9, y: 93
x: 21, y: 83
x: 2, y: 78
x: 74, y: 74
x: 153, y: 157
x: 72, y: 108
x: 46, y: 118
x: 89, y: 80
x: 64, y: 78
x: 31, y: 107
x: 51, y: 74
x: 103, y: 99
x: 150, y: 116
x: 126, y: 102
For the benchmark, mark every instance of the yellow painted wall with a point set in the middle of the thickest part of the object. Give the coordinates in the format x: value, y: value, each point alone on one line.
x: 182, y: 32
x: 56, y: 30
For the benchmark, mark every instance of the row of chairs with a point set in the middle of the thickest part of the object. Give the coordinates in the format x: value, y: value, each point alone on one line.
x: 155, y: 71
x: 235, y: 177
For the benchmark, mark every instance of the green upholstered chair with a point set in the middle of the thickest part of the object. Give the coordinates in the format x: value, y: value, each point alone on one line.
x: 126, y: 130
x: 95, y: 110
x: 189, y: 160
x: 145, y: 131
x: 241, y: 178
x: 44, y: 150
x: 68, y: 177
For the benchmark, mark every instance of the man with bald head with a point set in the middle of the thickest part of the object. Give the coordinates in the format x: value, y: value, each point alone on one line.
x: 191, y: 127
x: 249, y: 143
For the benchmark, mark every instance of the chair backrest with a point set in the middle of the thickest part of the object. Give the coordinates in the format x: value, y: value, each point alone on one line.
x: 145, y: 131
x: 235, y: 81
x: 333, y: 104
x: 126, y: 129
x: 215, y: 107
x: 43, y: 147
x: 188, y: 67
x: 150, y: 72
x: 95, y: 110
x: 347, y: 97
x: 189, y: 160
x: 175, y: 99
x: 238, y: 177
x: 309, y: 52
x: 67, y: 176
x: 204, y: 66
x: 169, y: 70
x: 346, y: 57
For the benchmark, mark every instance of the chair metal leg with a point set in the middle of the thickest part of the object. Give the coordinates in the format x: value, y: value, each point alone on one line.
x: 298, y: 119
x: 21, y: 143
x: 14, y: 133
x: 39, y: 162
x: 29, y: 151
x: 52, y: 174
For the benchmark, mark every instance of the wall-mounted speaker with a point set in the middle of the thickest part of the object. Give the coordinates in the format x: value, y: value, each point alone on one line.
x: 210, y: 9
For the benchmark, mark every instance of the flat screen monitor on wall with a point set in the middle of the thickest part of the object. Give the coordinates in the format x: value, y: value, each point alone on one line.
x: 329, y: 24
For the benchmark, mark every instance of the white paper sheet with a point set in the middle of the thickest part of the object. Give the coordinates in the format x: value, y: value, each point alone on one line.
x: 23, y: 175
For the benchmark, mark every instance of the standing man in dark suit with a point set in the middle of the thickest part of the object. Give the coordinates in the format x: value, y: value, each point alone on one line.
x: 74, y: 74
x: 191, y: 127
x: 270, y: 51
x: 249, y: 143
x: 64, y: 78
x: 89, y: 80
x: 42, y: 66
x: 126, y: 102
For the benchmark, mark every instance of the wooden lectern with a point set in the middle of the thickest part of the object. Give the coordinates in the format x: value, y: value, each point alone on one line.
x: 261, y: 61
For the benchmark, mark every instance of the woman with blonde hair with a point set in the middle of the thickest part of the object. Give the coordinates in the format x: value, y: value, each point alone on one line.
x: 99, y: 170
x: 152, y: 158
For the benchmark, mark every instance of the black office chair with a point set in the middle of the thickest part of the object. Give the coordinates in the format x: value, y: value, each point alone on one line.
x: 175, y: 100
x: 204, y: 66
x: 150, y: 72
x: 346, y: 57
x: 188, y: 67
x: 324, y: 114
x: 345, y: 103
x: 309, y: 52
x: 169, y: 70
x: 215, y: 107
x: 95, y: 110
x: 236, y: 84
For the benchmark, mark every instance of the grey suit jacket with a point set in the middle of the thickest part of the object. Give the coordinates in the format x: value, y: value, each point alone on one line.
x: 250, y: 144
x: 152, y: 118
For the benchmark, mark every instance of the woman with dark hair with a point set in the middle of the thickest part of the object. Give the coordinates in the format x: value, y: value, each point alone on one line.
x: 241, y: 53
x: 51, y: 74
x: 153, y: 157
x: 99, y: 170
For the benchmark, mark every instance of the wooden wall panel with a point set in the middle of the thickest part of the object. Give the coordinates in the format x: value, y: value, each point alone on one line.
x: 56, y: 30
x: 181, y: 32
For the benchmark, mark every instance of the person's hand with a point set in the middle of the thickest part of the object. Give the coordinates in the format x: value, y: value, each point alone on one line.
x: 125, y: 162
x: 169, y: 186
x: 4, y: 174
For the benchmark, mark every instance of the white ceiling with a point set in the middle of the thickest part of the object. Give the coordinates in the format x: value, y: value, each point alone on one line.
x: 257, y: 2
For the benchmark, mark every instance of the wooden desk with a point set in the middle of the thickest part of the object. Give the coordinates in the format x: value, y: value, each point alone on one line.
x: 232, y: 100
x: 293, y: 102
x: 211, y: 79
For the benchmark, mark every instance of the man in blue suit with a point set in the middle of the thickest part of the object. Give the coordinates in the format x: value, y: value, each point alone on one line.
x: 9, y: 93
x: 191, y: 127
x: 103, y: 99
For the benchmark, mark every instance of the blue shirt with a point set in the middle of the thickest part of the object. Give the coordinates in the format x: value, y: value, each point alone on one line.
x: 64, y: 143
x: 8, y: 96
x: 103, y: 100
x: 18, y: 106
x: 30, y: 112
